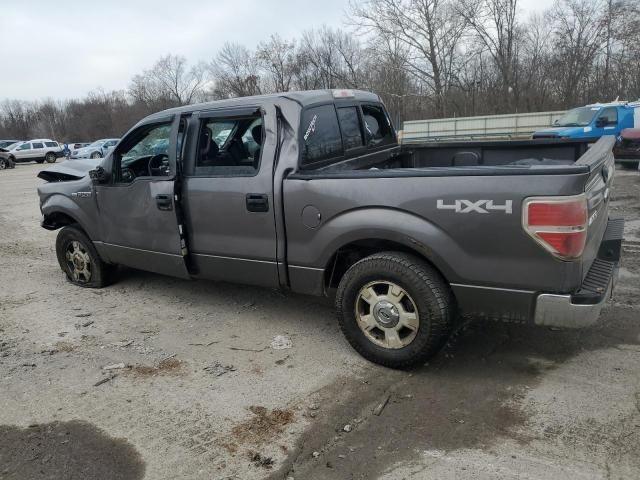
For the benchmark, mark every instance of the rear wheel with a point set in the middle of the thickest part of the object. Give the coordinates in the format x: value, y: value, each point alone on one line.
x: 79, y: 259
x: 96, y: 155
x: 4, y: 163
x: 394, y: 309
x: 50, y: 157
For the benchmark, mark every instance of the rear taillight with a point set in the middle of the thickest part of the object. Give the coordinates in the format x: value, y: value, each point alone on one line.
x: 559, y: 224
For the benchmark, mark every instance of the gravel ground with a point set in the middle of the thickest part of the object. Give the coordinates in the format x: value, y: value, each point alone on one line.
x: 205, y: 396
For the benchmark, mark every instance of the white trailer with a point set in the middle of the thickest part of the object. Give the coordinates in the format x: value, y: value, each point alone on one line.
x: 517, y: 125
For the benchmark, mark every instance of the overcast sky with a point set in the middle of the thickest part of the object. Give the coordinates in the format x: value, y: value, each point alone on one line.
x: 66, y: 48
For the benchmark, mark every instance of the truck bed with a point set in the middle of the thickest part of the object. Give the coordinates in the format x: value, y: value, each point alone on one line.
x: 520, y: 157
x: 412, y: 202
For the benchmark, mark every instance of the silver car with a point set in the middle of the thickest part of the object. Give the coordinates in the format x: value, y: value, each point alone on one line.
x: 97, y: 149
x: 37, y: 150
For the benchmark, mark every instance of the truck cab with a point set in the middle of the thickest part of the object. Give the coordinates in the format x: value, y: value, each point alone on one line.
x: 594, y: 121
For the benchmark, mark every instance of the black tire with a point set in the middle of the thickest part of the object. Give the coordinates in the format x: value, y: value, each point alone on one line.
x: 4, y: 163
x: 427, y: 291
x: 50, y: 157
x: 95, y: 155
x: 100, y: 273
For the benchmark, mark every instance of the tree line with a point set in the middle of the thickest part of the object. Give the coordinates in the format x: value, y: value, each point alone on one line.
x: 425, y: 58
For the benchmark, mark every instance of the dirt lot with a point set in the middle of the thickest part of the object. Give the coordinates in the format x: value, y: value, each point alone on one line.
x: 205, y: 396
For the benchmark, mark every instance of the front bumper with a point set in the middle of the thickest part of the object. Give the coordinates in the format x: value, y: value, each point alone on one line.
x: 582, y: 308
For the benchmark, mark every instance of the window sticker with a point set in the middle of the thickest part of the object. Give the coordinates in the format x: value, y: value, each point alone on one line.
x: 311, y: 128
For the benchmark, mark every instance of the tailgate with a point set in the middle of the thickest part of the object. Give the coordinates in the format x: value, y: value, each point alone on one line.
x: 599, y: 158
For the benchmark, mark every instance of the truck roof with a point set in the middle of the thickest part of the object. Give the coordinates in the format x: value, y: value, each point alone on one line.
x: 304, y: 98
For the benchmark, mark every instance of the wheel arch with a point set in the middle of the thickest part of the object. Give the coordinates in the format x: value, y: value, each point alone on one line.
x: 350, y: 253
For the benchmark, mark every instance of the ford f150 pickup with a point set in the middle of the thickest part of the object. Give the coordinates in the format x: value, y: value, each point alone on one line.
x: 310, y: 191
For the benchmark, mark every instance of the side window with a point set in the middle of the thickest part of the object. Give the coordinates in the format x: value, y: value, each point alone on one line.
x: 51, y: 144
x: 609, y: 116
x: 229, y: 147
x: 377, y: 127
x: 25, y: 146
x: 350, y: 126
x: 321, y: 135
x: 143, y: 154
x: 38, y: 145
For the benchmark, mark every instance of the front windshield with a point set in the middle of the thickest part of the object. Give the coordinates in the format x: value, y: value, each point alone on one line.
x: 578, y: 117
x: 154, y: 142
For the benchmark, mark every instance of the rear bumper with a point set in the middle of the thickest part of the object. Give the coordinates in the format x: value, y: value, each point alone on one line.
x: 582, y: 308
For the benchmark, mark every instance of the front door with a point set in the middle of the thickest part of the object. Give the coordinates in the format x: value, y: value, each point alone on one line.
x: 228, y: 196
x: 139, y: 225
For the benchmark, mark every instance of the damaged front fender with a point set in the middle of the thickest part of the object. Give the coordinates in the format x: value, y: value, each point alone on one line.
x: 69, y: 170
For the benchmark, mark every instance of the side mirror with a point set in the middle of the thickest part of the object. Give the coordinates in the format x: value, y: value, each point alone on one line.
x: 601, y: 122
x: 556, y: 122
x: 98, y: 175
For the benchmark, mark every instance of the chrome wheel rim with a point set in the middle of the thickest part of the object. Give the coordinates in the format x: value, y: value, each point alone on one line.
x: 79, y: 262
x: 386, y: 314
x: 3, y: 164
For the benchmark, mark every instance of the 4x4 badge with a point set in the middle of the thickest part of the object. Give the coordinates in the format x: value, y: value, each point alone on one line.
x: 478, y: 206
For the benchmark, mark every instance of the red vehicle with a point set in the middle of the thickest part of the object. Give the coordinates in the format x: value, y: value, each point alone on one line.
x: 627, y: 148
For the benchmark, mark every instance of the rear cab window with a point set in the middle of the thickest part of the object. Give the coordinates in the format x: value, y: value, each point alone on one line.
x: 377, y: 126
x: 334, y: 132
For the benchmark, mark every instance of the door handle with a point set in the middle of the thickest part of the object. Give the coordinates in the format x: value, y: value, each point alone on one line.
x: 257, y: 202
x: 164, y: 202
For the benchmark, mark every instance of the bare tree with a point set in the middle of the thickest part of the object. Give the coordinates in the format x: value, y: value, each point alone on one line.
x: 278, y: 58
x: 495, y: 25
x: 431, y: 30
x: 236, y: 72
x: 578, y: 30
x: 170, y: 79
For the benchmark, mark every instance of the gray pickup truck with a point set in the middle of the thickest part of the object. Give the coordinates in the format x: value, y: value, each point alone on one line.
x: 310, y: 192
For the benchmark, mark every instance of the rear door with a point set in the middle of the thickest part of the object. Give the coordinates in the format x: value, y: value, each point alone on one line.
x: 138, y: 220
x: 228, y: 195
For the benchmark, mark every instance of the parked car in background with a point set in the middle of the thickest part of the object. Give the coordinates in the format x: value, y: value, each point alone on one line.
x: 7, y: 143
x: 594, y: 121
x: 38, y: 150
x: 97, y: 149
x: 627, y: 148
x: 5, y: 159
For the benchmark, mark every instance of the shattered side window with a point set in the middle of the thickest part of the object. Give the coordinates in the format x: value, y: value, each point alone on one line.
x: 321, y: 135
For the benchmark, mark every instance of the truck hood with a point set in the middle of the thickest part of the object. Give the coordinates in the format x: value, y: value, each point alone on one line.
x: 560, y: 132
x: 69, y: 170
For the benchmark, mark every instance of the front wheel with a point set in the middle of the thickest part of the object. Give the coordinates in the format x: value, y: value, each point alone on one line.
x: 79, y: 259
x: 95, y: 155
x: 394, y: 309
x: 50, y: 157
x: 4, y: 163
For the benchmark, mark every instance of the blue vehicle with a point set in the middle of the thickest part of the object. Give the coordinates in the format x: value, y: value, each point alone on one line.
x: 594, y: 121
